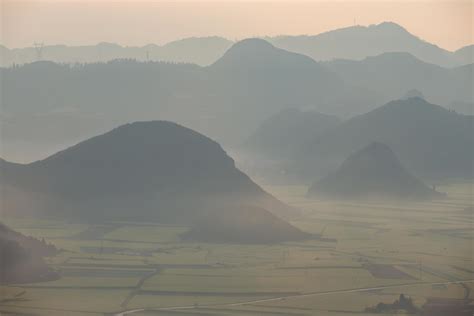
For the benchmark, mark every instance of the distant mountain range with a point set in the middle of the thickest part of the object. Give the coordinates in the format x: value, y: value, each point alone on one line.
x: 252, y: 81
x: 215, y: 100
x: 372, y: 173
x: 355, y: 43
x: 156, y: 171
x: 359, y: 42
x: 197, y: 50
x: 430, y: 141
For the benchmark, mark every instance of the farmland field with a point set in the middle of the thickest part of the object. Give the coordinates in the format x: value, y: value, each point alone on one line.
x: 369, y: 253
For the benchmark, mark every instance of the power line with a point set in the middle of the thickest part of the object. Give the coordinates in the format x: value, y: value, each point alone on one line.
x: 39, y: 50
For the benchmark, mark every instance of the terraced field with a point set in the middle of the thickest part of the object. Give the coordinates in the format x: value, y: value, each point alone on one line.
x: 369, y: 253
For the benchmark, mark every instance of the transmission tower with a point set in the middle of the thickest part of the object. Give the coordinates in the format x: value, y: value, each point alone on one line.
x: 39, y: 50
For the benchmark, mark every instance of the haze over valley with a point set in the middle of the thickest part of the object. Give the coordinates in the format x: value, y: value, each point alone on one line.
x: 325, y: 174
x: 253, y: 75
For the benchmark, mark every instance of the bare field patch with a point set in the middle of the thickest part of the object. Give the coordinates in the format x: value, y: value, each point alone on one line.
x: 387, y: 271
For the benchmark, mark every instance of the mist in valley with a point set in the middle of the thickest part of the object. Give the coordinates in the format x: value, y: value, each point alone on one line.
x: 321, y: 174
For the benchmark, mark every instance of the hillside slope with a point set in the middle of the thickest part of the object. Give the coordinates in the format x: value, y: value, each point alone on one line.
x: 373, y: 172
x: 21, y: 259
x: 430, y: 141
x: 156, y: 171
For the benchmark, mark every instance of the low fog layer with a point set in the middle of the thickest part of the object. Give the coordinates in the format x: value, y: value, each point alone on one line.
x: 350, y: 192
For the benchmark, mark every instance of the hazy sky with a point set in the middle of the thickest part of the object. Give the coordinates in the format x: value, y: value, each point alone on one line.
x: 447, y: 23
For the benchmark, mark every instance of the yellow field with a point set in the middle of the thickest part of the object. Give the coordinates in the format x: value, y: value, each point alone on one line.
x: 382, y: 250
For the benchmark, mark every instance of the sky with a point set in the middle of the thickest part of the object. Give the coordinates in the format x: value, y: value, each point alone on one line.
x: 446, y: 23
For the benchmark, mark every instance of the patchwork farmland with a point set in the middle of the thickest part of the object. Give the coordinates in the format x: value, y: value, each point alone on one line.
x: 368, y: 254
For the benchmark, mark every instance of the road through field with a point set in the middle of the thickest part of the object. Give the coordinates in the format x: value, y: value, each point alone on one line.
x: 132, y: 311
x: 142, y: 280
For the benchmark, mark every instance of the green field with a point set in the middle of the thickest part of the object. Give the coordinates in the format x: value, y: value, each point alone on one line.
x: 381, y: 250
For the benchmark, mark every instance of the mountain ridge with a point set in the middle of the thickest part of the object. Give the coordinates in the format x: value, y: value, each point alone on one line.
x: 207, y: 49
x: 414, y: 128
x: 215, y: 100
x: 377, y: 39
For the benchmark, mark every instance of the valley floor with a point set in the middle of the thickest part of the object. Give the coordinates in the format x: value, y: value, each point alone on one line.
x: 369, y: 253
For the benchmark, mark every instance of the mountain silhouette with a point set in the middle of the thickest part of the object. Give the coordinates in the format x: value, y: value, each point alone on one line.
x: 373, y: 172
x: 358, y: 42
x: 154, y: 170
x: 430, y: 141
x: 256, y: 67
x: 355, y: 42
x: 254, y: 80
x: 251, y: 52
x: 251, y: 82
x: 255, y: 54
x: 214, y: 100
